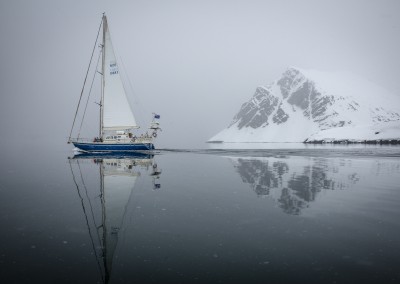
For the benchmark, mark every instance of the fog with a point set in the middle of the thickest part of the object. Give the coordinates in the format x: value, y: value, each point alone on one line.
x: 192, y: 62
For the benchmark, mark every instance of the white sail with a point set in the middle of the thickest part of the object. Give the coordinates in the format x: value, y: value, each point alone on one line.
x: 117, y: 113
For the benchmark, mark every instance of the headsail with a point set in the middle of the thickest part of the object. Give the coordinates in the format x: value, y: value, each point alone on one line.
x: 117, y: 113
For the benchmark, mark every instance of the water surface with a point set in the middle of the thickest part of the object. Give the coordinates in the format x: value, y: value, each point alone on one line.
x: 282, y: 215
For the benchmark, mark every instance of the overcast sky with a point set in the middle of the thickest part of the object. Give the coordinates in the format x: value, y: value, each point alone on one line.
x: 193, y: 62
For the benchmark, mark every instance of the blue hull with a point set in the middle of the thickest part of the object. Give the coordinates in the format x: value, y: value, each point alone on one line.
x: 102, y: 147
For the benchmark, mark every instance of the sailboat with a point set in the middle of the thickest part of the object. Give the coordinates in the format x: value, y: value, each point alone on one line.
x: 117, y: 120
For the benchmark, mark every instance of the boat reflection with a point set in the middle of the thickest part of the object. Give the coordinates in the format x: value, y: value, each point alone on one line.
x: 105, y: 197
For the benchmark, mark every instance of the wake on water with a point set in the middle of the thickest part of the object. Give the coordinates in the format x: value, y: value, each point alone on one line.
x: 353, y: 152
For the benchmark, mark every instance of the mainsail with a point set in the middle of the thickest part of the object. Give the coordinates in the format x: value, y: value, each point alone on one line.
x: 117, y: 113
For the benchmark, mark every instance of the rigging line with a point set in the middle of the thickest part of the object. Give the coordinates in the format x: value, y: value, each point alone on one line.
x: 134, y: 207
x: 90, y: 203
x: 126, y: 207
x: 90, y: 92
x: 124, y: 219
x: 84, y: 82
x: 87, y: 222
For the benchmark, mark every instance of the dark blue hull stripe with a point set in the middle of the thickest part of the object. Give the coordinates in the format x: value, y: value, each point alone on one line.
x: 100, y: 147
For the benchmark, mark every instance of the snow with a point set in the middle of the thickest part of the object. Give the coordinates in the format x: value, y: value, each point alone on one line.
x: 350, y: 85
x: 384, y: 131
x: 298, y: 128
x: 369, y: 112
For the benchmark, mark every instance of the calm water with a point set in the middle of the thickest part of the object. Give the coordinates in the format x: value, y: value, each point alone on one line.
x: 309, y: 215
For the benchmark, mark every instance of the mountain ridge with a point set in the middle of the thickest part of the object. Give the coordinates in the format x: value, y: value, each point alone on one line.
x: 303, y: 104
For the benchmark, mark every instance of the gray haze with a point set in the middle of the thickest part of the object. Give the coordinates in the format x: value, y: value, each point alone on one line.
x: 193, y: 62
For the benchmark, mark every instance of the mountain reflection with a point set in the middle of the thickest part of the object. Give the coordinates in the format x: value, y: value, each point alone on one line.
x: 295, y: 182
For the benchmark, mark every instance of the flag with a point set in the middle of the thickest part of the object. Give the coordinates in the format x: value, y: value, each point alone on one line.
x: 156, y: 116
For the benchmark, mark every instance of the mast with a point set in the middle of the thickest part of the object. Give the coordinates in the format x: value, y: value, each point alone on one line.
x: 102, y: 72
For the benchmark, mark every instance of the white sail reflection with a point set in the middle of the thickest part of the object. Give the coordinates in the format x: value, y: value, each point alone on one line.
x: 115, y: 183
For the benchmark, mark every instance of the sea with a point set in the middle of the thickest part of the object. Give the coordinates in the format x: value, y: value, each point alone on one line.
x: 224, y: 213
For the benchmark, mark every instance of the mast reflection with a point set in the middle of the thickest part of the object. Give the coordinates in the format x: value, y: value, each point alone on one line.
x: 105, y: 197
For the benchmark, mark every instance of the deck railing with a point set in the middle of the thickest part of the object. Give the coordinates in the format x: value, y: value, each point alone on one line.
x: 112, y: 141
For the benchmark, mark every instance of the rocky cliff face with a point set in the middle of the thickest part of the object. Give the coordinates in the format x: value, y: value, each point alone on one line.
x: 303, y: 103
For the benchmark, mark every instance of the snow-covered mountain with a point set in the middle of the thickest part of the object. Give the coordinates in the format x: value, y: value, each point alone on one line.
x: 312, y: 105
